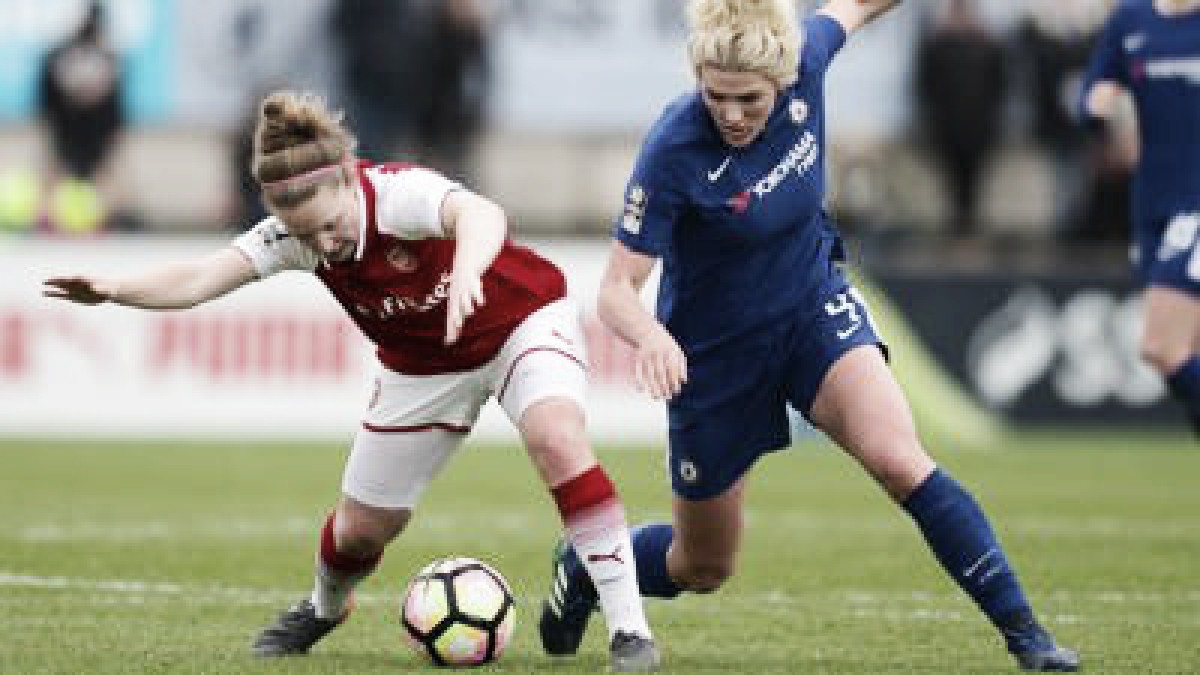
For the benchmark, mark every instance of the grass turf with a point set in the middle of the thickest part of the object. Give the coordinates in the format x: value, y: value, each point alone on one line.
x: 152, y: 557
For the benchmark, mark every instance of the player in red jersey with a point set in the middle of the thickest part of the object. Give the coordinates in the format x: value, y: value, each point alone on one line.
x: 458, y: 314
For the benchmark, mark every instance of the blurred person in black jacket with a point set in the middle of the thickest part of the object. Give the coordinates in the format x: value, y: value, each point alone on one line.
x: 80, y: 102
x: 384, y: 46
x: 1090, y: 174
x: 961, y: 83
x: 451, y: 123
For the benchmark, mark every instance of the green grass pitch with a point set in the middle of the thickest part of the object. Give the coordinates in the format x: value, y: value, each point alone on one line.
x: 168, y: 557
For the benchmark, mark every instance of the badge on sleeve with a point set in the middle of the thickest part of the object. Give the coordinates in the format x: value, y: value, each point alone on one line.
x: 635, y: 207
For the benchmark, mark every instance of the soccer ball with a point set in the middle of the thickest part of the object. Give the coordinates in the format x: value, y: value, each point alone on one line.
x: 458, y: 612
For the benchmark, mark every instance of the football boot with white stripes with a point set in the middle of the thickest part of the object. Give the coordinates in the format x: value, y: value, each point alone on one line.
x: 572, y: 600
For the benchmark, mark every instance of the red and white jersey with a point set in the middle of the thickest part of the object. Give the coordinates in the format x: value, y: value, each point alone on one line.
x: 395, y: 287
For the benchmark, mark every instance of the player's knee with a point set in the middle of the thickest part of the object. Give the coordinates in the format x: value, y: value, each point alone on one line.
x: 899, y: 472
x: 561, y: 440
x: 706, y: 577
x: 560, y: 453
x: 554, y: 425
x: 900, y: 481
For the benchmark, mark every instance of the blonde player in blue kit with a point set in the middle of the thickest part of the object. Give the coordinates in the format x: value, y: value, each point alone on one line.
x: 754, y: 312
x: 1151, y: 50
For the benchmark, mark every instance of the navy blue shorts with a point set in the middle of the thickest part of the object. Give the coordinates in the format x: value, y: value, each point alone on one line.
x: 1168, y: 253
x: 733, y: 408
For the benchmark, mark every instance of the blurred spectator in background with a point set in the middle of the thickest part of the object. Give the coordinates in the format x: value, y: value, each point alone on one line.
x: 1103, y: 214
x: 245, y: 207
x: 80, y: 102
x: 415, y: 78
x: 450, y: 125
x: 384, y: 47
x: 1055, y: 40
x: 961, y: 83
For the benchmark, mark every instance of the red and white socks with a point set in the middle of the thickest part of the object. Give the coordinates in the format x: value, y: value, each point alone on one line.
x: 337, y: 574
x: 594, y: 519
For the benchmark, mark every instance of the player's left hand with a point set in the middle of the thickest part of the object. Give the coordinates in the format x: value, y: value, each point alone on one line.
x: 83, y: 290
x: 463, y: 297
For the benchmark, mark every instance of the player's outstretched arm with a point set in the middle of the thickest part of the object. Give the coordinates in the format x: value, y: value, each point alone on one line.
x: 479, y: 227
x: 175, y: 286
x: 854, y: 14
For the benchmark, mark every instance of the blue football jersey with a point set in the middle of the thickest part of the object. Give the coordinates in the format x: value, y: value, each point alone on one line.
x: 1157, y: 58
x: 741, y: 231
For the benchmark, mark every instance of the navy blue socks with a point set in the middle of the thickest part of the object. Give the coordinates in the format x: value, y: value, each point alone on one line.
x: 952, y: 523
x: 650, y: 544
x: 963, y: 542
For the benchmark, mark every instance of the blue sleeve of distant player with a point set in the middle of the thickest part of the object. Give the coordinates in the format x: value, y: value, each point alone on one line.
x: 652, y: 206
x: 823, y: 37
x: 1107, y: 63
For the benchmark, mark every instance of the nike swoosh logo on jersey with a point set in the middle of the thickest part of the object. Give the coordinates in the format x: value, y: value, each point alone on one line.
x: 716, y: 173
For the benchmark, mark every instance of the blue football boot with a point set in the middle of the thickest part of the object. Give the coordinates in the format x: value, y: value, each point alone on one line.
x: 1035, y: 649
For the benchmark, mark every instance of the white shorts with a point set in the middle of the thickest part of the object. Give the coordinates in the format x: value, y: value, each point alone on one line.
x: 414, y: 423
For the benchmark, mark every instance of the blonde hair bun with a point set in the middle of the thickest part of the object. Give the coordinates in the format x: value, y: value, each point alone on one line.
x: 297, y: 133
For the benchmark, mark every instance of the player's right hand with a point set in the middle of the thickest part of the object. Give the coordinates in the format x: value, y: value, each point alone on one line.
x: 660, y: 367
x: 83, y: 290
x: 1107, y: 99
x: 463, y: 296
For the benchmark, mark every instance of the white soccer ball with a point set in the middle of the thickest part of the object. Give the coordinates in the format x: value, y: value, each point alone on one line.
x: 458, y: 612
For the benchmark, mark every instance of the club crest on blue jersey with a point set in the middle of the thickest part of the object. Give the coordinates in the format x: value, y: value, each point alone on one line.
x: 688, y: 471
x: 798, y: 110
